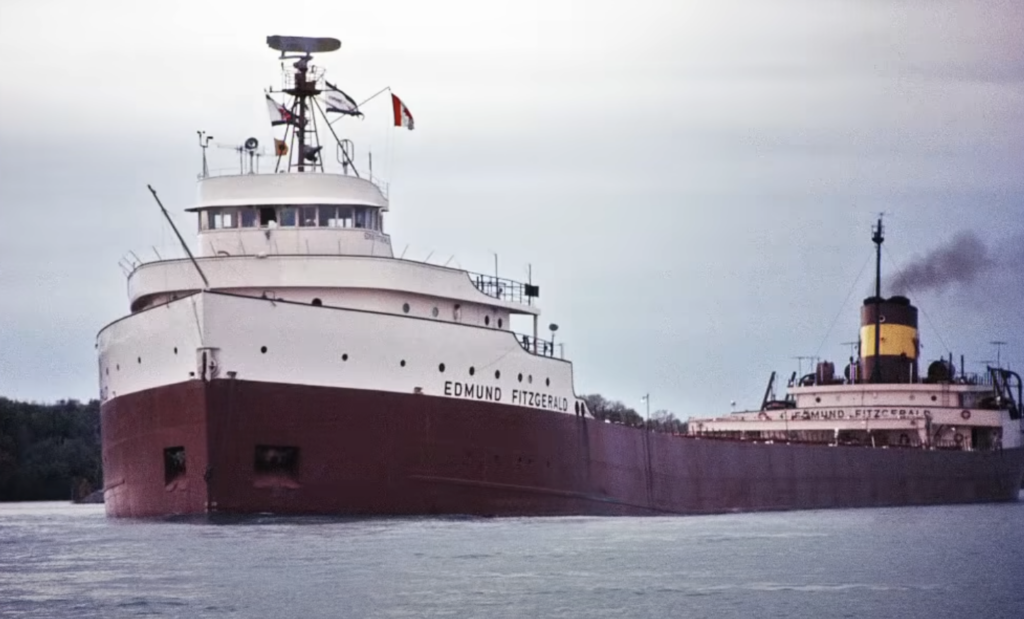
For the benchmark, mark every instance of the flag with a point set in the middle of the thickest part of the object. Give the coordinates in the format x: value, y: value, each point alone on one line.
x: 279, y: 114
x: 280, y: 147
x: 310, y: 152
x: 338, y: 101
x: 403, y: 118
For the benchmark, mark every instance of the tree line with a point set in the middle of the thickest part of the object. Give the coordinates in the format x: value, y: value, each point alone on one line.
x: 49, y: 452
x: 615, y: 411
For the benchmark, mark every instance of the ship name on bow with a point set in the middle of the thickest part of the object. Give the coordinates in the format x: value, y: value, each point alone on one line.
x: 854, y: 413
x: 518, y: 397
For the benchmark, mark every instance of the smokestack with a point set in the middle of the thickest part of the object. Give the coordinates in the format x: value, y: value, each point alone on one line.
x: 898, y: 343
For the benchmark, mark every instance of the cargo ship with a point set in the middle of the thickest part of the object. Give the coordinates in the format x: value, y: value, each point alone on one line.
x: 295, y: 365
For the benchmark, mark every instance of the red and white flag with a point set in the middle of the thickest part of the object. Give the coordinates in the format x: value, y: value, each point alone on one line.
x: 403, y: 118
x: 279, y: 114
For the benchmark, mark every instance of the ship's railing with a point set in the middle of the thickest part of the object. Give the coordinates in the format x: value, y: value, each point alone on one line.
x: 544, y: 348
x: 314, y: 75
x: 265, y: 163
x: 504, y: 289
x: 781, y: 437
x: 964, y: 378
x: 974, y: 378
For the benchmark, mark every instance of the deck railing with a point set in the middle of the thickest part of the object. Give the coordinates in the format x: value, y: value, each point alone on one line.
x: 504, y: 289
x: 544, y: 348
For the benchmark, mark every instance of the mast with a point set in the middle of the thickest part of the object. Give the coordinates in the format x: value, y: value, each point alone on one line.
x: 301, y: 88
x: 877, y: 238
x: 304, y: 89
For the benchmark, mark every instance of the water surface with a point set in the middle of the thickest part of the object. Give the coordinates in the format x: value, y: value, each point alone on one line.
x: 62, y: 560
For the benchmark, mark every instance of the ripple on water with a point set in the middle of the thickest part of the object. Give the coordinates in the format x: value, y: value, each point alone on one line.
x: 58, y: 561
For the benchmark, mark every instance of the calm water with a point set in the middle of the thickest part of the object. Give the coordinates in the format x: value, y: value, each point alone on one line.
x: 60, y: 560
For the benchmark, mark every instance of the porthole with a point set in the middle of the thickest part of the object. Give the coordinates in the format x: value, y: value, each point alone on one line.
x: 529, y: 379
x: 818, y: 399
x: 140, y: 360
x: 547, y: 382
x: 118, y: 367
x: 434, y: 312
x: 487, y: 320
x: 440, y: 368
x: 520, y: 377
x: 402, y: 363
x: 263, y: 349
x: 405, y: 308
x: 911, y: 397
x: 317, y: 302
x: 175, y: 350
x: 108, y: 371
x: 500, y: 323
x: 934, y: 398
x: 497, y: 373
x: 472, y: 370
x: 344, y: 357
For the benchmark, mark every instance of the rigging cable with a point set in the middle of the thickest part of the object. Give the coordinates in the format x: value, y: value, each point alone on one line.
x: 841, y: 307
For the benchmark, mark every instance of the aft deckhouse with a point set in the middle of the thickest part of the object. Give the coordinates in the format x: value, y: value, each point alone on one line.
x: 881, y: 400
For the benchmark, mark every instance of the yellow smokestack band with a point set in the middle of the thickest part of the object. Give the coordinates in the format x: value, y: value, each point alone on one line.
x: 895, y: 340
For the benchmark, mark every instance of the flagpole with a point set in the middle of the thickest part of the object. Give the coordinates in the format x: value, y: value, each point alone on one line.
x: 375, y: 95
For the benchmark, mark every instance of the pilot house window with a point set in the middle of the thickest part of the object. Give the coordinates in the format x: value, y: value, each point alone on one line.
x: 345, y: 216
x: 309, y: 216
x: 328, y: 216
x: 248, y: 217
x: 225, y: 218
x: 288, y: 216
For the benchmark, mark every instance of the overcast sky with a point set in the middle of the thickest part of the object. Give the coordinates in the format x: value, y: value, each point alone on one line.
x: 694, y: 183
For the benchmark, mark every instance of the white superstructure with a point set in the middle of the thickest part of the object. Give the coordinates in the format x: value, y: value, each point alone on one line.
x: 938, y: 415
x: 295, y: 281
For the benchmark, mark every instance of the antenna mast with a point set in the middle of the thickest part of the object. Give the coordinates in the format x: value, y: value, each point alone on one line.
x: 204, y: 143
x: 303, y: 87
x: 877, y: 238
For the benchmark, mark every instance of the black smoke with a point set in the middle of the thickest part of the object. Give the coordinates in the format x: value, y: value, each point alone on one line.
x: 960, y: 261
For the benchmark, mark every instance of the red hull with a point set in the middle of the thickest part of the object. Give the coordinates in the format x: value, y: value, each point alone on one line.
x: 363, y: 452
